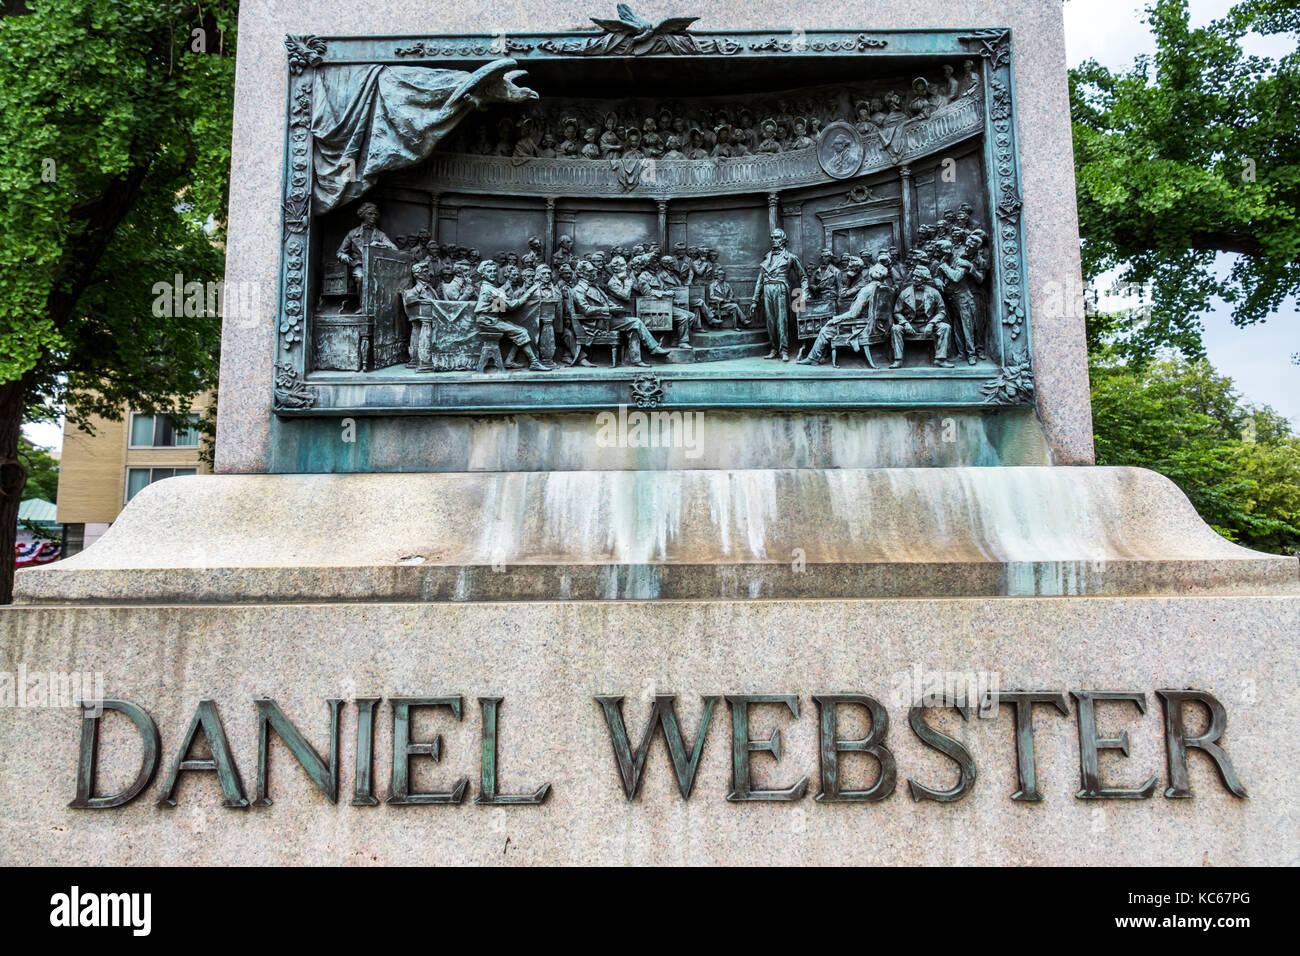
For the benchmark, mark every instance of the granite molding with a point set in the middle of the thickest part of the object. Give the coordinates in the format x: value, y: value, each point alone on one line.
x: 727, y: 535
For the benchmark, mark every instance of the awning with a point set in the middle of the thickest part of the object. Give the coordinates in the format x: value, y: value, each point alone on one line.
x: 38, y: 511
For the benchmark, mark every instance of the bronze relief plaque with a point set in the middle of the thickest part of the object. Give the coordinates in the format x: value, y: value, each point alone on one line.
x: 812, y: 219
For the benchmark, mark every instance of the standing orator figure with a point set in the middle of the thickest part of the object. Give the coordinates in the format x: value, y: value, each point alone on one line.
x: 772, y: 291
x: 957, y: 272
x: 352, y: 251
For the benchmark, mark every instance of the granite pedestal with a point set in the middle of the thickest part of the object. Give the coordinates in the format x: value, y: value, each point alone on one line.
x: 461, y: 622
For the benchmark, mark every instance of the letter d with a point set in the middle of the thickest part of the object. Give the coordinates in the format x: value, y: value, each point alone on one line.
x: 89, y: 751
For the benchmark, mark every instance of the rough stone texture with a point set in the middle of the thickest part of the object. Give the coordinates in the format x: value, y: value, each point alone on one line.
x: 668, y: 534
x: 549, y: 660
x: 248, y: 436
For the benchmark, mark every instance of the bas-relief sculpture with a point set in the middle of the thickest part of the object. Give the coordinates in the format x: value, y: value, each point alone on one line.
x: 831, y: 220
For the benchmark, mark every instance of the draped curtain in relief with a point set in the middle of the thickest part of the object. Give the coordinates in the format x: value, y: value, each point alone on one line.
x: 368, y: 120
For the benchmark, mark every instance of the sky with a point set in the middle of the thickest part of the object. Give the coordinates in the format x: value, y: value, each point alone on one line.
x: 1257, y: 358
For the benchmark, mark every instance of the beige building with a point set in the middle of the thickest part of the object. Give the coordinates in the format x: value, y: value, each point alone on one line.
x: 99, y: 473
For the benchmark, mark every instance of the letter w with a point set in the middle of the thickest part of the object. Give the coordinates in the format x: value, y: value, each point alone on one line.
x: 631, y: 766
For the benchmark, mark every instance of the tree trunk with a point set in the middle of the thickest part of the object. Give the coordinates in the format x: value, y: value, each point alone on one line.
x: 13, y: 478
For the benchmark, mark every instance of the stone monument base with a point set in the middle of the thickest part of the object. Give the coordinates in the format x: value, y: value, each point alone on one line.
x: 645, y: 535
x: 549, y: 661
x: 495, y: 644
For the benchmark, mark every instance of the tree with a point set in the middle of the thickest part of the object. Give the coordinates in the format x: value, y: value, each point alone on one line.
x: 42, y: 481
x: 42, y: 471
x: 115, y: 127
x: 1239, y: 464
x: 1193, y: 153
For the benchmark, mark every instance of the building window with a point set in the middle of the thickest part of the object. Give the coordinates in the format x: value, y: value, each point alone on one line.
x: 157, y: 431
x: 137, y: 478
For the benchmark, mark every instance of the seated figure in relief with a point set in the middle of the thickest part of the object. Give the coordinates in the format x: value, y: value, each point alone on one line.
x: 720, y: 302
x: 919, y: 309
x: 695, y: 148
x: 801, y: 138
x: 866, y: 313
x: 864, y: 123
x: 611, y: 144
x: 494, y: 303
x: 569, y: 146
x: 652, y: 143
x: 462, y: 287
x: 591, y: 308
x: 657, y: 280
x: 723, y: 148
x: 855, y: 276
x: 826, y: 280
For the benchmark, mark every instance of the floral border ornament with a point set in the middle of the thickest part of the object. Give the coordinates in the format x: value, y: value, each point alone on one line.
x: 857, y: 194
x: 993, y: 45
x: 1014, y: 385
x: 799, y: 44
x: 295, y: 214
x: 1006, y: 239
x: 1000, y: 103
x: 290, y: 390
x: 304, y: 52
x: 498, y: 46
x: 647, y: 390
x: 1014, y: 317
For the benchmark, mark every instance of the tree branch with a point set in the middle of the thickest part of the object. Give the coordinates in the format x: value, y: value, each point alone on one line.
x: 1225, y: 241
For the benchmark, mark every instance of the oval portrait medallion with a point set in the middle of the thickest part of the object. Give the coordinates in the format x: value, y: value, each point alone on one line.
x: 840, y: 150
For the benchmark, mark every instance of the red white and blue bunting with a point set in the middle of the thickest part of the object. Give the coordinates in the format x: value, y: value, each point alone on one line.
x: 37, y: 552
